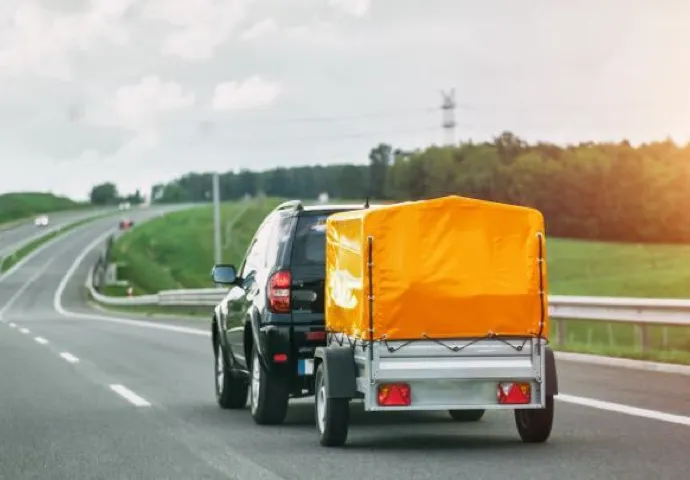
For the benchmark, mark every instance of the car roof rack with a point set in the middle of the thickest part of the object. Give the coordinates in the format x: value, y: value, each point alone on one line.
x: 290, y: 205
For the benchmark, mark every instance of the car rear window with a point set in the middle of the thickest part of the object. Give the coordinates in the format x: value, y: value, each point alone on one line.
x: 309, y: 247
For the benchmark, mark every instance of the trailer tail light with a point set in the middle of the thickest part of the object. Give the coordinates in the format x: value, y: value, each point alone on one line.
x: 279, y: 292
x: 514, y: 393
x: 394, y: 395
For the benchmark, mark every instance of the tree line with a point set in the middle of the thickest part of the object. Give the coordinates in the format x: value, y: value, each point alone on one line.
x: 602, y: 191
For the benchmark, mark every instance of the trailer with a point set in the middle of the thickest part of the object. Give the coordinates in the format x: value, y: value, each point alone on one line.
x: 436, y: 305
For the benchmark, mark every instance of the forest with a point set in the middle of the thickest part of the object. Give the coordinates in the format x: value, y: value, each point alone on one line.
x: 601, y: 191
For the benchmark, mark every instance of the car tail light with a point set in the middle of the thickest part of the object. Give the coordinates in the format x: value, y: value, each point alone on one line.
x: 514, y: 393
x: 279, y: 292
x: 316, y: 336
x: 394, y: 395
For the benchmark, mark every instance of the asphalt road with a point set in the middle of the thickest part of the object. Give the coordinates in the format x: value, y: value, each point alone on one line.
x: 93, y: 395
x: 12, y: 238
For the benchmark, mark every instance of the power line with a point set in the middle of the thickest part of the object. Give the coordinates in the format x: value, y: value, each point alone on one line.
x: 337, y: 118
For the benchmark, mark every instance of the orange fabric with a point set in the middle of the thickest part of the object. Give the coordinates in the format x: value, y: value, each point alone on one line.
x: 449, y: 268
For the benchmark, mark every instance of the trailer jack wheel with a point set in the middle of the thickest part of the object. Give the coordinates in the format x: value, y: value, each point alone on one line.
x: 332, y: 414
x: 466, y: 415
x: 534, y: 425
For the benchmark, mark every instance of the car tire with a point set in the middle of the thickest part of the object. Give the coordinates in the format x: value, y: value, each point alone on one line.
x: 231, y: 392
x: 269, y: 393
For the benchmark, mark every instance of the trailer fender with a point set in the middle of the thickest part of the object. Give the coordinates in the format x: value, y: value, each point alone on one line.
x: 551, y: 374
x: 339, y: 371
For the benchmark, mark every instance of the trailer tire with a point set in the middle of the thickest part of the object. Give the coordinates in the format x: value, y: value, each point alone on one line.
x: 466, y: 415
x: 534, y: 425
x: 332, y: 414
x: 268, y: 394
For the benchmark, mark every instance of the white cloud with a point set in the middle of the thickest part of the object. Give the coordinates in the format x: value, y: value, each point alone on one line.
x: 40, y: 41
x: 260, y: 29
x: 200, y: 26
x: 357, y: 8
x: 137, y: 107
x: 251, y: 93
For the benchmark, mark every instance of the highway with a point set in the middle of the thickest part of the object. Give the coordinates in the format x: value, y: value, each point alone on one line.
x: 88, y: 394
x: 13, y: 237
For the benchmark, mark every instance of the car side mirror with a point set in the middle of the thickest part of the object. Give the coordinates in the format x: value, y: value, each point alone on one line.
x: 224, y: 274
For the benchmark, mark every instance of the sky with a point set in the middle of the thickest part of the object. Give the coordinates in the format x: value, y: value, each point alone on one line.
x: 139, y: 92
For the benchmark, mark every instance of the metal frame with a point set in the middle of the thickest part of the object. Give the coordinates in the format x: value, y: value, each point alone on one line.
x: 448, y: 374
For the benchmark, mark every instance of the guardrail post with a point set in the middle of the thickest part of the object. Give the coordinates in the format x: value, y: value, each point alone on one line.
x: 561, y: 332
x: 643, y: 336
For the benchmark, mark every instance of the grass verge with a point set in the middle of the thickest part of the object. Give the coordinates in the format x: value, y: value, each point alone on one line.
x: 16, y: 206
x: 11, y: 260
x: 176, y: 251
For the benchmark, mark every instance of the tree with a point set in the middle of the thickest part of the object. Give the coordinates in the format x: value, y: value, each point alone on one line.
x: 104, y: 194
x: 379, y: 160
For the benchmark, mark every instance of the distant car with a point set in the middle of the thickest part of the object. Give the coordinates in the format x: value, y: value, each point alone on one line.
x: 41, y: 221
x: 126, y: 224
x: 124, y: 206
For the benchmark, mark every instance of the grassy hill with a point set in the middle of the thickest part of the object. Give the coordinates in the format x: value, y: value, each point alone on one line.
x: 176, y: 251
x: 15, y: 206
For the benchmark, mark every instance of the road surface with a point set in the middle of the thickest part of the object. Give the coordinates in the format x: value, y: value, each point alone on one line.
x: 13, y: 237
x: 94, y: 395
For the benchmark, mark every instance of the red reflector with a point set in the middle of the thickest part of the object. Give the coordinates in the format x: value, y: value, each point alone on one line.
x: 395, y: 395
x: 514, y: 393
x: 316, y: 335
x: 280, y: 357
x: 279, y: 292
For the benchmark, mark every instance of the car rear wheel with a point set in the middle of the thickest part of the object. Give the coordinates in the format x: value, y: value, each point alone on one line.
x: 231, y: 392
x: 269, y: 394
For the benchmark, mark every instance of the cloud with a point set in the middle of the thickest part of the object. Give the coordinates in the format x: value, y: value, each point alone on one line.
x: 356, y: 8
x: 200, y: 26
x: 249, y: 94
x: 260, y: 29
x: 40, y: 41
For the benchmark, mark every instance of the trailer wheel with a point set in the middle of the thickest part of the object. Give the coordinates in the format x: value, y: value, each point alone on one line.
x: 534, y: 425
x: 466, y: 415
x: 332, y: 414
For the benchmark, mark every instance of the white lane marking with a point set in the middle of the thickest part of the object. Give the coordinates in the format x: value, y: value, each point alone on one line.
x: 57, y: 301
x: 13, y: 325
x: 625, y: 409
x: 130, y: 396
x: 69, y: 357
x: 41, y: 340
x: 23, y: 288
x: 626, y: 363
x: 25, y: 330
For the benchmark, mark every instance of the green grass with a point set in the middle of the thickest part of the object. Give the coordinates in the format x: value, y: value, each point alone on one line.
x: 16, y: 206
x: 11, y: 260
x: 618, y: 270
x: 176, y: 251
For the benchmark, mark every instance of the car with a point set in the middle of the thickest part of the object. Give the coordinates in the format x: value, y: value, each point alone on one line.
x: 124, y: 206
x: 41, y: 221
x: 267, y: 327
x: 125, y: 224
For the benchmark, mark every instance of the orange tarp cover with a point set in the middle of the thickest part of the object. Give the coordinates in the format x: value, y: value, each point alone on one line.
x: 451, y: 267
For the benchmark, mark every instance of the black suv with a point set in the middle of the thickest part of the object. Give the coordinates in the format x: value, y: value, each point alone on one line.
x: 267, y: 327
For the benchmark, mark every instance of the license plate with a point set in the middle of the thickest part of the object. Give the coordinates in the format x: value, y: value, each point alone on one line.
x: 305, y: 366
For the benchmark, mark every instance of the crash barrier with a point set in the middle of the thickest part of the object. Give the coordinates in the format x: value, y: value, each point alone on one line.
x: 642, y: 313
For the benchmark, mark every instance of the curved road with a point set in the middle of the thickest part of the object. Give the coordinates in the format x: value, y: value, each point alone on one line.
x: 93, y: 395
x: 12, y: 238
